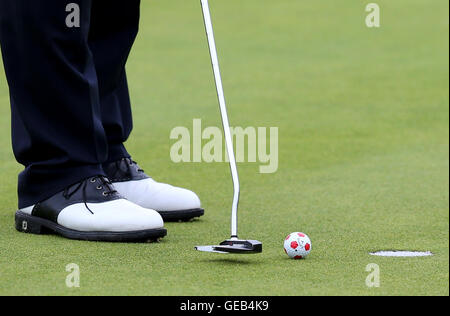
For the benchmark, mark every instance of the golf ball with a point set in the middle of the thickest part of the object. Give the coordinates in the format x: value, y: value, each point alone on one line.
x: 297, y: 245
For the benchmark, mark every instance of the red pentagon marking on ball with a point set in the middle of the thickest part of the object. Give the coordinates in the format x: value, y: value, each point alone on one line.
x: 294, y: 245
x: 288, y: 237
x: 307, y: 247
x: 298, y: 257
x: 301, y: 235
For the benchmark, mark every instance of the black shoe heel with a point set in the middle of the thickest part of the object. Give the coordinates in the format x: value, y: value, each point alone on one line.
x: 27, y: 224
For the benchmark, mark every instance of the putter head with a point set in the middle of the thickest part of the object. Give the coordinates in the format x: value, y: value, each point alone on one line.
x: 234, y: 246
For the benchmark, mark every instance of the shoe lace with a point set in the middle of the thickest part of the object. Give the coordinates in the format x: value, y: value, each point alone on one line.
x: 105, y: 183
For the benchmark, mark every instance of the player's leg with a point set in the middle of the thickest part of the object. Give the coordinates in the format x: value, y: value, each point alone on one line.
x: 57, y: 127
x: 56, y: 123
x: 114, y: 26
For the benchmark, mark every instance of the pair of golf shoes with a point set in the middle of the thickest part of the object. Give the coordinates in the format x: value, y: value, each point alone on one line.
x: 126, y: 205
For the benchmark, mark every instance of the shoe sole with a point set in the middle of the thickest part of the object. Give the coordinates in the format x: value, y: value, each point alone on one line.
x: 35, y: 225
x: 181, y: 216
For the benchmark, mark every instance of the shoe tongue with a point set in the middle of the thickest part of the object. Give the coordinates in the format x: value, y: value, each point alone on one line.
x: 85, y: 188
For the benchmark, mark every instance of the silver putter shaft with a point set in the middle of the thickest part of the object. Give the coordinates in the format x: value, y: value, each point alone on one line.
x: 223, y: 112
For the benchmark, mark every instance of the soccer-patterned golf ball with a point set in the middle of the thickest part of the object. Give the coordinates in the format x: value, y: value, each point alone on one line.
x: 297, y: 245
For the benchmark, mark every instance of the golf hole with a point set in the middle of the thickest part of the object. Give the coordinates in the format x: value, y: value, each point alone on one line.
x: 403, y: 254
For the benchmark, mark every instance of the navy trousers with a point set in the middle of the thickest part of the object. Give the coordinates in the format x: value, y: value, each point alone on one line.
x: 69, y: 96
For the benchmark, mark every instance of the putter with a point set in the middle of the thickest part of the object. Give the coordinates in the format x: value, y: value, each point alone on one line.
x: 234, y: 244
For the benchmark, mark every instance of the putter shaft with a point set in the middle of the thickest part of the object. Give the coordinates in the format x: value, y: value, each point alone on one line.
x: 225, y: 121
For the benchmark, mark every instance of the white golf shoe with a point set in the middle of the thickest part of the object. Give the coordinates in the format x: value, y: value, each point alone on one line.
x: 173, y: 203
x: 91, y: 210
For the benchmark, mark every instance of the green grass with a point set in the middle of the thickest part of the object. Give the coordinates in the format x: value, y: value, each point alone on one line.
x: 363, y: 117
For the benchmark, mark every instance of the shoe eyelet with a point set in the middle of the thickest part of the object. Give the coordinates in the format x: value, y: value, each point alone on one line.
x: 105, y: 193
x: 100, y: 187
x: 93, y: 180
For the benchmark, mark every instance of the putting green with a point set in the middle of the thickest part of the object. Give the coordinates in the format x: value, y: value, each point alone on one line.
x: 363, y: 118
